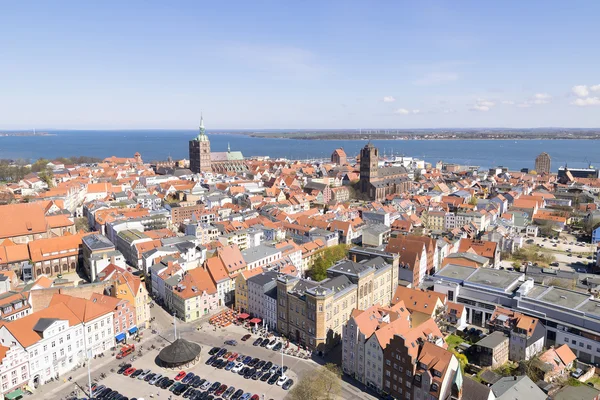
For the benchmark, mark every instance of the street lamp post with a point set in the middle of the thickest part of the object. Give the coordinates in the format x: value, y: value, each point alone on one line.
x: 89, y: 356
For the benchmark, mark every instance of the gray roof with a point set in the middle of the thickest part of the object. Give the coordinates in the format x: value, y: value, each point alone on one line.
x: 473, y: 390
x: 258, y: 252
x: 264, y: 279
x: 348, y: 267
x: 582, y: 392
x: 492, y: 340
x: 43, y: 324
x: 517, y: 388
x: 376, y: 229
x: 97, y: 242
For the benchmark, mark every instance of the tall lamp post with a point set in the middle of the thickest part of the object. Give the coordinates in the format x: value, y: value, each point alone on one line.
x: 89, y: 357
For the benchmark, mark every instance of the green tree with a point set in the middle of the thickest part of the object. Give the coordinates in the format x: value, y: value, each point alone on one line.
x: 47, y: 176
x: 325, y: 259
x: 324, y: 384
x: 81, y: 224
x: 462, y: 360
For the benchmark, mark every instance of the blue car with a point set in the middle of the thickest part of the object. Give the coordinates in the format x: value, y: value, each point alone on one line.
x: 188, y: 378
x: 247, y: 359
x: 229, y: 365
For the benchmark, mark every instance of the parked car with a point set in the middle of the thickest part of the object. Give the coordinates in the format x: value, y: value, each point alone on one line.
x: 129, y: 371
x: 229, y: 365
x: 257, y: 342
x: 272, y: 344
x: 265, y: 377
x: 288, y: 384
x: 206, y: 385
x: 577, y: 373
x: 180, y: 376
x: 245, y: 396
x: 274, y: 378
x: 238, y: 393
x: 278, y: 346
x: 238, y: 367
x: 188, y: 378
x: 232, y: 357
x: 220, y: 390
x: 214, y: 350
x: 228, y: 392
x: 257, y: 375
x: 149, y: 377
x: 281, y: 380
x: 136, y: 373
x: 264, y: 342
x: 267, y: 366
x: 231, y: 342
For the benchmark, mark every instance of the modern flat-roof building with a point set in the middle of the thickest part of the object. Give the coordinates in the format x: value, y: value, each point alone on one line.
x: 570, y: 317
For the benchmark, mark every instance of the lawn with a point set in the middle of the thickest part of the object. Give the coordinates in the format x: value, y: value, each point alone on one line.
x: 595, y: 380
x: 453, y: 341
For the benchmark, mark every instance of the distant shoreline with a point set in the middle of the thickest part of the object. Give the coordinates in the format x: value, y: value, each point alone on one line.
x: 25, y: 134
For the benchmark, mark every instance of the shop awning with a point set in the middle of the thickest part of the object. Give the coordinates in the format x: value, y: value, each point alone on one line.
x: 255, y: 321
x: 15, y: 394
x: 243, y: 316
x: 120, y: 337
x: 133, y: 330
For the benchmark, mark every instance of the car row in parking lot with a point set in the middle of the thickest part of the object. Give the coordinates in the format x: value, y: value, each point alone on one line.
x: 192, y: 386
x: 249, y: 367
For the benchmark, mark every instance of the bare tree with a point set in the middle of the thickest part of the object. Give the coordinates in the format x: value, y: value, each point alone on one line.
x: 323, y: 384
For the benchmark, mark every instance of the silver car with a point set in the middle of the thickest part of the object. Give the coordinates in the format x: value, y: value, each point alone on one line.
x: 143, y: 374
x: 155, y: 379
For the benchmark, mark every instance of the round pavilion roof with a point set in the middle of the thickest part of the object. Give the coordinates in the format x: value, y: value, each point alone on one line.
x: 181, y: 351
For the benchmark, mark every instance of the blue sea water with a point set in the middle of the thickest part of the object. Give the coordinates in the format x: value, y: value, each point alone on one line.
x: 159, y: 144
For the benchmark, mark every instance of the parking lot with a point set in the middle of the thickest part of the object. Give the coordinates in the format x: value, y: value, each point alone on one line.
x: 135, y: 388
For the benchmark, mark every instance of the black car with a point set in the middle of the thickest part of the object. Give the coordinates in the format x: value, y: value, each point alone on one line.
x: 167, y: 383
x: 137, y: 373
x: 257, y: 375
x: 214, y: 350
x: 288, y: 384
x: 260, y: 364
x: 243, y: 371
x: 249, y: 373
x: 196, y: 382
x: 149, y: 376
x: 221, y: 352
x: 273, y: 379
x: 214, y: 387
x: 222, y: 364
x: 253, y: 362
x: 210, y: 360
x: 265, y: 377
x: 237, y: 394
x: 282, y: 370
x: 182, y: 388
x: 264, y: 343
x: 267, y: 366
x: 278, y: 347
x: 189, y: 393
x: 103, y: 392
x: 257, y: 342
x: 123, y: 368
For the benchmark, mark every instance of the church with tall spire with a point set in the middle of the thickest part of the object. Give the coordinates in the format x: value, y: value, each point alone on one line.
x: 202, y: 160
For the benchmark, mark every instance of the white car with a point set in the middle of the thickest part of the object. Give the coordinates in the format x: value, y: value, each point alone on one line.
x: 206, y: 385
x: 272, y: 344
x: 274, y: 369
x: 282, y: 380
x: 238, y: 367
x: 143, y: 374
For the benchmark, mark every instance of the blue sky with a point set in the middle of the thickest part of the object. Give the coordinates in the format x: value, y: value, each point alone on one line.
x: 292, y: 64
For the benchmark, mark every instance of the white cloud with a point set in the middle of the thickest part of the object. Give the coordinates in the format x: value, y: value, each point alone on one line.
x: 541, y: 98
x: 584, y: 90
x: 482, y: 105
x: 586, y: 101
x: 525, y: 104
x: 508, y: 102
x: 404, y: 111
x: 389, y: 99
x: 581, y: 90
x: 436, y: 78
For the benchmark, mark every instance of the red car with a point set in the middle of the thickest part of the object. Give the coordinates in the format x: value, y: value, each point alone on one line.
x: 232, y: 357
x: 246, y: 337
x: 129, y: 371
x: 255, y: 397
x: 221, y: 390
x: 180, y: 376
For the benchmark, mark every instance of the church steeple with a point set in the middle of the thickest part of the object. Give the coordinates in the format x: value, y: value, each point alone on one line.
x: 202, y: 132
